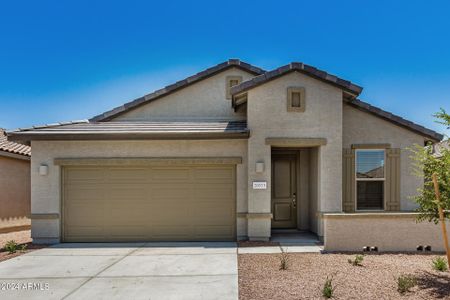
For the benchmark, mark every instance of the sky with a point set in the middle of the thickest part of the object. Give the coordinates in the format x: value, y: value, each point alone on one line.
x: 71, y: 60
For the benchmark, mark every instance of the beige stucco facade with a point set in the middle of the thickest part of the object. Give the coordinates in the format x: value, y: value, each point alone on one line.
x: 386, y: 231
x: 323, y: 128
x: 205, y: 100
x: 46, y: 190
x: 15, y: 192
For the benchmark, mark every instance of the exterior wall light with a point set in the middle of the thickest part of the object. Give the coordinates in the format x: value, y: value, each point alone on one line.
x: 259, y: 167
x: 43, y: 170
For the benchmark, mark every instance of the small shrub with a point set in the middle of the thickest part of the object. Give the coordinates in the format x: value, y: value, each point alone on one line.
x: 357, y: 261
x: 405, y: 283
x: 328, y: 288
x: 11, y: 247
x: 439, y: 264
x: 284, y: 260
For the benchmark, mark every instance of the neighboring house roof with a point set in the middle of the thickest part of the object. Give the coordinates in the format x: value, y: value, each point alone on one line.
x: 345, y: 85
x: 11, y: 147
x: 232, y: 63
x: 85, y: 130
x: 366, y: 107
x: 439, y: 147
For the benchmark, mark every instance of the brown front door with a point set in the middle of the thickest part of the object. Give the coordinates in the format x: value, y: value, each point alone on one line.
x: 284, y: 188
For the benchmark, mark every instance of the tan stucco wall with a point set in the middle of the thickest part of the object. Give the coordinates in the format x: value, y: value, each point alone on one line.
x: 203, y: 100
x: 45, y: 190
x: 363, y: 128
x: 389, y: 232
x: 14, y: 192
x: 268, y: 117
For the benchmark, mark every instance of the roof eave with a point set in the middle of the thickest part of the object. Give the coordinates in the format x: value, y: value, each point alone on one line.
x: 232, y: 63
x: 348, y: 87
x: 28, y: 136
x: 433, y: 136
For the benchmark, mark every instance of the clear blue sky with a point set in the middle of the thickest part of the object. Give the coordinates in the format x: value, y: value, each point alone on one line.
x: 62, y: 61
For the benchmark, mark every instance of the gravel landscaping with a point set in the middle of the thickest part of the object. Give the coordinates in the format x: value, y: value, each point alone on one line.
x: 20, y: 237
x: 260, y: 276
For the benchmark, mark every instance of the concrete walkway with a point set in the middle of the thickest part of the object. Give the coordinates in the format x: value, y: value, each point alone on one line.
x: 123, y: 271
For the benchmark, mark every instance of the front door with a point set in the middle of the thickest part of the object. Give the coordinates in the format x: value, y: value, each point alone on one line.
x: 284, y: 189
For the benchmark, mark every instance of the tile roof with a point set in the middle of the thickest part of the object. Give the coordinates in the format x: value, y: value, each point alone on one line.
x: 11, y: 147
x: 236, y: 63
x: 297, y: 67
x: 135, y: 130
x: 364, y: 106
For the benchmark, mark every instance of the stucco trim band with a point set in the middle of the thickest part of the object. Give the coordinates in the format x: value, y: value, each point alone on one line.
x: 295, y: 142
x: 50, y: 216
x: 371, y: 215
x: 259, y: 216
x: 371, y: 146
x: 139, y: 161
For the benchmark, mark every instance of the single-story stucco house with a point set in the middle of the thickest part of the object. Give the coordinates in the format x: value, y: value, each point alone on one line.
x: 14, y: 185
x: 232, y: 153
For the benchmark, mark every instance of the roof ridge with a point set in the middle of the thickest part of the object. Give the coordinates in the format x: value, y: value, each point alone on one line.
x: 49, y: 125
x: 300, y: 67
x: 233, y: 62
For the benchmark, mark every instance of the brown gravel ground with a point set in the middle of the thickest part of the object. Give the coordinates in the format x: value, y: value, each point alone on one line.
x: 21, y: 237
x: 260, y: 277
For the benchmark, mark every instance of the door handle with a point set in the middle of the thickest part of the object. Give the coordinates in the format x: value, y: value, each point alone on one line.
x: 294, y: 201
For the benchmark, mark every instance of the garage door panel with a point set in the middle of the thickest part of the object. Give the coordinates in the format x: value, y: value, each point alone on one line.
x: 171, y: 174
x: 175, y: 203
x: 84, y: 175
x: 211, y: 173
x: 214, y: 232
x: 127, y: 175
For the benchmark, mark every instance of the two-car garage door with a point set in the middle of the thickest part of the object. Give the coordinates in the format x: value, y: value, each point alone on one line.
x: 149, y: 203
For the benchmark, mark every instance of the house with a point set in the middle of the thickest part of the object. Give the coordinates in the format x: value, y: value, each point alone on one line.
x: 14, y: 185
x: 232, y: 153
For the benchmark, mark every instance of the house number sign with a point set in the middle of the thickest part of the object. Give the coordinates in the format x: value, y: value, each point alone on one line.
x: 260, y: 185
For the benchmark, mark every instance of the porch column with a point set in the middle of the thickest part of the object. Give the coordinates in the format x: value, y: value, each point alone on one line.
x: 259, y: 203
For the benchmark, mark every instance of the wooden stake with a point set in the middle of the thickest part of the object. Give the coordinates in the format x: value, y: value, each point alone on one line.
x: 441, y: 216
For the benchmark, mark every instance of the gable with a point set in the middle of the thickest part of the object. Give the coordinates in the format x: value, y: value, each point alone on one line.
x: 203, y: 100
x: 182, y: 84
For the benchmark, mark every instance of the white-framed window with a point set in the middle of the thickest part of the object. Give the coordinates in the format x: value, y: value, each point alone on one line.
x: 370, y: 179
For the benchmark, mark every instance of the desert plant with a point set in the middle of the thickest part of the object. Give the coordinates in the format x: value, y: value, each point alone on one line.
x: 11, y: 247
x: 439, y: 264
x: 357, y: 261
x: 328, y: 289
x: 434, y: 168
x: 284, y: 260
x: 405, y: 283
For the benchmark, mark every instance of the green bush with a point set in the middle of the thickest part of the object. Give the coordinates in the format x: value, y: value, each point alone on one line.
x: 439, y: 264
x: 13, y: 247
x: 328, y: 288
x: 357, y: 261
x: 405, y: 283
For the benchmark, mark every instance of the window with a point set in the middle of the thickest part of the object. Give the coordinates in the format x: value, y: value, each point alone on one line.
x: 370, y: 178
x: 296, y: 99
x: 230, y: 82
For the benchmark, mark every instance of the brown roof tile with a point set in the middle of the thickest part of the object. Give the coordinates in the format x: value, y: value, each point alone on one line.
x: 11, y: 147
x: 297, y: 67
x: 236, y: 63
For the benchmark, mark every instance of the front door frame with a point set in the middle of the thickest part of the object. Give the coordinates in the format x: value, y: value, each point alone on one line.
x: 294, y: 155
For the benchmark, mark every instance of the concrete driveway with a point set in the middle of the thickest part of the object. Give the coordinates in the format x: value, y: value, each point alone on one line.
x: 123, y: 271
